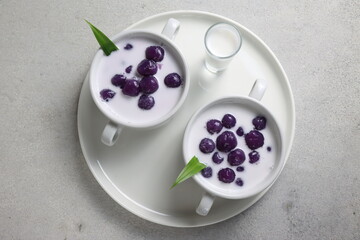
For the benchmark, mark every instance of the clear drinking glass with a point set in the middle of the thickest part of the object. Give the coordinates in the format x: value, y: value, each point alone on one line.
x: 222, y: 42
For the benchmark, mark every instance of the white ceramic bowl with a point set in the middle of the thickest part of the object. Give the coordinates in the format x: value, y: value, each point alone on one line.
x: 145, y: 121
x: 249, y: 104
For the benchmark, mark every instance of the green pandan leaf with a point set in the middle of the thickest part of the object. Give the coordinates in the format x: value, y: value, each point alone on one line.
x: 191, y: 168
x: 105, y: 43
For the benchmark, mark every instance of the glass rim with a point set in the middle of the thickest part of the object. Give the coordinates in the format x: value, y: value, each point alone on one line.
x: 235, y: 30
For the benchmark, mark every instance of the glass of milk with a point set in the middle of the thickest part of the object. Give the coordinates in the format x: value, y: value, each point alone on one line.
x: 222, y: 42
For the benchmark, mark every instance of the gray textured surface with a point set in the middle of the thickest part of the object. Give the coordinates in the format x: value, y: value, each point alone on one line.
x: 46, y: 189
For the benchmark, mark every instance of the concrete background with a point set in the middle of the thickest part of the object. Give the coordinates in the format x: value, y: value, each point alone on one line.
x: 46, y: 188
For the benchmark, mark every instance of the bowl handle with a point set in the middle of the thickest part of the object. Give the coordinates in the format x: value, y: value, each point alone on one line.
x: 110, y: 133
x: 205, y: 204
x: 171, y: 28
x: 258, y: 89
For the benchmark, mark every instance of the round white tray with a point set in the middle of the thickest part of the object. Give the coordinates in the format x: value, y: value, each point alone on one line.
x: 139, y: 169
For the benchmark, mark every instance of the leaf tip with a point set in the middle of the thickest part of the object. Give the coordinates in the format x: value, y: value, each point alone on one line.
x: 89, y: 23
x: 190, y: 169
x: 105, y: 43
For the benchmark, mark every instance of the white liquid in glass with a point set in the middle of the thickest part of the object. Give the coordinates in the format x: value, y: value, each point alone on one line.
x: 222, y: 42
